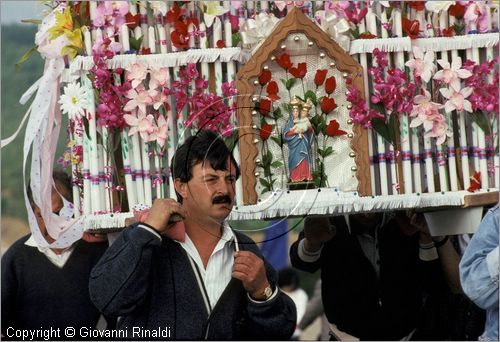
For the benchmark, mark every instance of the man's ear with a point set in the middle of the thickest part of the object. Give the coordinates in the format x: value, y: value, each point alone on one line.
x: 181, y: 187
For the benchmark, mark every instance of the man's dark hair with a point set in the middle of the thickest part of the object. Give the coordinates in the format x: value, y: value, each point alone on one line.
x: 60, y: 177
x: 205, y: 146
x: 288, y: 277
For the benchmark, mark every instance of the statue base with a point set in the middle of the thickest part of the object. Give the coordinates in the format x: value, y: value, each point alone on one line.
x: 301, y: 185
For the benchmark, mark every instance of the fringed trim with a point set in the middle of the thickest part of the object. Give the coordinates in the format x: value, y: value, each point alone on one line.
x: 106, y: 221
x: 473, y: 41
x: 383, y: 44
x: 309, y: 202
x: 173, y: 59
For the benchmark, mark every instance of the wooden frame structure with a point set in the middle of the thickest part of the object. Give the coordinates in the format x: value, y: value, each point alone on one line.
x: 294, y: 22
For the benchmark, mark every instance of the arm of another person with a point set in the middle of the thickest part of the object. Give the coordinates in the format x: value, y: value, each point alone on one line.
x: 306, y: 251
x: 120, y: 280
x: 479, y: 265
x: 314, y: 308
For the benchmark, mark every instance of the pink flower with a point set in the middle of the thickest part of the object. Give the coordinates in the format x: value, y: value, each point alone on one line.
x: 159, y: 77
x: 457, y: 100
x: 425, y: 111
x: 162, y: 131
x: 452, y: 75
x: 191, y: 71
x: 477, y: 15
x: 138, y: 98
x: 422, y: 65
x: 159, y: 98
x: 439, y: 131
x: 143, y: 124
x: 136, y: 73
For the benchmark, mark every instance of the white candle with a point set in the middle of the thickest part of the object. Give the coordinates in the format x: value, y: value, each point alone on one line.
x: 124, y: 38
x: 152, y: 42
x: 144, y: 24
x: 383, y: 170
x: 217, y: 35
x: 404, y: 129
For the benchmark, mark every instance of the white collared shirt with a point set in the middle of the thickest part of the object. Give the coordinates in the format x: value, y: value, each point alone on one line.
x: 57, y: 259
x: 220, y: 264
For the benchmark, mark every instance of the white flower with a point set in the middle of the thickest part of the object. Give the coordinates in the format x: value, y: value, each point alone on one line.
x: 438, y: 6
x: 212, y: 9
x: 74, y: 101
x: 158, y: 6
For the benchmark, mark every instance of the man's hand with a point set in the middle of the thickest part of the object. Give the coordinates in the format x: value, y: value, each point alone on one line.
x: 249, y: 268
x: 317, y: 230
x: 161, y: 211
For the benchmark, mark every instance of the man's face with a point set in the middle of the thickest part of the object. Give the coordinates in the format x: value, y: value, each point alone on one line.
x: 210, y: 193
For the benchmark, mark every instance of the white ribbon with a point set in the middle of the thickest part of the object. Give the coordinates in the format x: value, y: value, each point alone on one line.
x: 254, y: 31
x: 336, y: 27
x: 42, y: 133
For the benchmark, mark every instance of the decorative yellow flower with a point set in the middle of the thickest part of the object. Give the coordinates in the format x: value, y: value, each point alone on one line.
x: 64, y: 23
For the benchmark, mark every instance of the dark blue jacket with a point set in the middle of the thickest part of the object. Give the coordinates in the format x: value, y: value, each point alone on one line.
x: 150, y: 284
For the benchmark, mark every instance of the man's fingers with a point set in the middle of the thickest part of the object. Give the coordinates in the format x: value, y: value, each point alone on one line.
x: 240, y: 276
x: 245, y: 269
x: 244, y: 260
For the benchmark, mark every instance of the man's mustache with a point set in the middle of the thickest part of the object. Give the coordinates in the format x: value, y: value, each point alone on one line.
x: 221, y: 199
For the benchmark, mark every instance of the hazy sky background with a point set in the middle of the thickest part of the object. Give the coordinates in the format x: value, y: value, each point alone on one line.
x: 13, y: 11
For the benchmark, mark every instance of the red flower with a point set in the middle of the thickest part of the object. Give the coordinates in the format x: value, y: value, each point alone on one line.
x: 320, y: 76
x: 417, y: 5
x: 220, y: 44
x: 327, y: 105
x: 457, y: 10
x: 174, y: 14
x: 411, y: 27
x: 265, y: 131
x: 265, y: 106
x: 330, y: 85
x: 179, y: 39
x: 449, y: 32
x: 367, y: 35
x: 145, y: 51
x: 300, y: 71
x: 132, y: 21
x: 264, y: 77
x: 332, y: 130
x: 475, y: 182
x: 272, y: 91
x: 284, y: 61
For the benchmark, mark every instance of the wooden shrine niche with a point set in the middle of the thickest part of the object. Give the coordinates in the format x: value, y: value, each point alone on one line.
x: 276, y: 94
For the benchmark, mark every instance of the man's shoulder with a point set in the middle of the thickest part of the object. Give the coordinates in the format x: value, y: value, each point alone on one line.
x: 17, y: 247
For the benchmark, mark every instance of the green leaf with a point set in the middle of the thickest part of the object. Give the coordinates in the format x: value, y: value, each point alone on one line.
x: 236, y: 39
x: 277, y: 114
x: 380, y: 126
x: 275, y: 164
x: 316, y: 123
x: 481, y: 119
x: 25, y: 57
x: 289, y: 84
x: 99, y: 138
x: 321, y: 152
x: 311, y: 95
x: 355, y: 32
x: 278, y: 140
x: 31, y: 21
x: 86, y: 126
x: 264, y: 182
x: 327, y: 152
x: 393, y: 127
x: 135, y: 44
x: 287, y: 107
